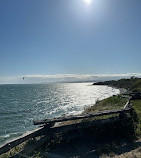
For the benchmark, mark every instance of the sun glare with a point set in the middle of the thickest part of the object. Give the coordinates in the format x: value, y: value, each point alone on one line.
x: 88, y: 1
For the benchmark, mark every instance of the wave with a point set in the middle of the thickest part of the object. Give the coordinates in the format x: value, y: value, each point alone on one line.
x: 10, y: 136
x: 14, y: 112
x: 44, y: 101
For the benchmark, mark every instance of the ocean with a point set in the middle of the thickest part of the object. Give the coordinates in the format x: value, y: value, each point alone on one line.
x: 21, y: 104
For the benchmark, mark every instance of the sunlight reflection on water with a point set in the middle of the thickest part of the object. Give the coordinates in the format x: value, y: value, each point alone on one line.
x: 21, y: 104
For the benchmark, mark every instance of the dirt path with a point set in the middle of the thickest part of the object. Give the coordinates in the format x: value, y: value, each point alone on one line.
x: 129, y: 151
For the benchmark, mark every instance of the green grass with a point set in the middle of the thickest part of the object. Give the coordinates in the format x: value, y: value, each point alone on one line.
x: 114, y: 102
x: 18, y: 149
x: 134, y: 84
x: 136, y: 104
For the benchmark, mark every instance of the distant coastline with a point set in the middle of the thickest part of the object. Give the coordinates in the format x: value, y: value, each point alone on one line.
x: 132, y: 84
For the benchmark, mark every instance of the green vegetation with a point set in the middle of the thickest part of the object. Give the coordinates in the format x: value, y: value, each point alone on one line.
x: 136, y: 86
x: 136, y: 104
x: 19, y: 148
x: 132, y: 84
x: 111, y: 103
x: 15, y: 150
x: 114, y: 102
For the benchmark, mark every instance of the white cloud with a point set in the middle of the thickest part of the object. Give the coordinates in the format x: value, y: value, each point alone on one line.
x: 59, y: 76
x: 62, y: 78
x: 120, y: 75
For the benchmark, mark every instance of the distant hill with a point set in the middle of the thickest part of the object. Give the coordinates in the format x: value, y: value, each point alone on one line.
x: 133, y: 84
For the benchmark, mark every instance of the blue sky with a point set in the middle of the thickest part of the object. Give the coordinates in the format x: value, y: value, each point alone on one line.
x: 49, y: 37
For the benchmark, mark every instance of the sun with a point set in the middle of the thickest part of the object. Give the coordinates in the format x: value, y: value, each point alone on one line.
x: 88, y: 1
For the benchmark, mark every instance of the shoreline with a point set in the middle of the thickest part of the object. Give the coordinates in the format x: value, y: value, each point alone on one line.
x: 30, y: 131
x: 77, y: 113
x: 67, y: 114
x: 121, y: 90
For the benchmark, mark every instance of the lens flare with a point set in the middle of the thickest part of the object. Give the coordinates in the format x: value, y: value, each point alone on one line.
x: 88, y: 1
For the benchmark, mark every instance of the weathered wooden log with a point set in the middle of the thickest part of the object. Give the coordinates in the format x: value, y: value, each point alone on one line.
x: 37, y: 132
x: 84, y: 125
x: 68, y: 118
x: 28, y: 150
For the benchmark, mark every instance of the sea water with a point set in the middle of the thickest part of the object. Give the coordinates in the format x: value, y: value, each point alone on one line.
x: 21, y: 104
